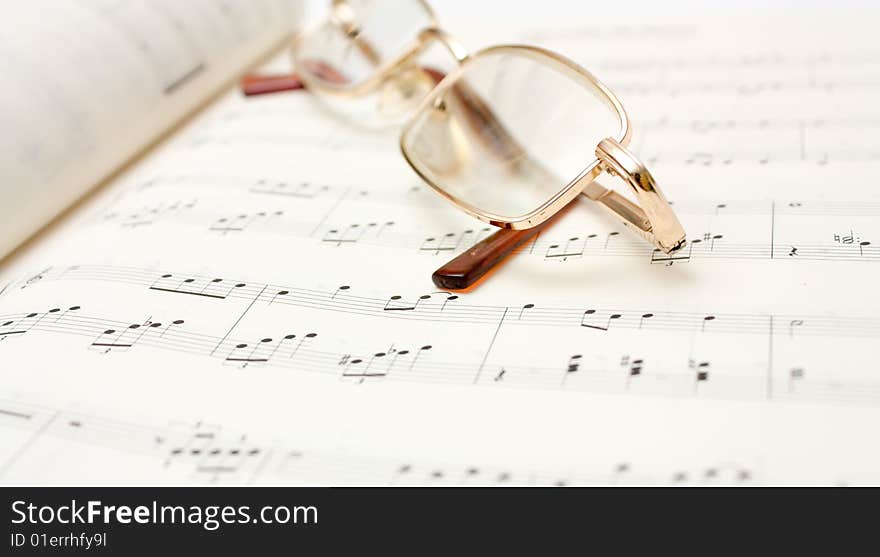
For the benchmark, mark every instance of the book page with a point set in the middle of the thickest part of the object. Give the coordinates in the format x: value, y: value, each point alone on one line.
x: 252, y: 303
x: 86, y: 84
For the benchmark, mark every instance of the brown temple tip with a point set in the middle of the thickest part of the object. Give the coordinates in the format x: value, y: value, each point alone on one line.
x: 469, y: 267
x: 255, y: 84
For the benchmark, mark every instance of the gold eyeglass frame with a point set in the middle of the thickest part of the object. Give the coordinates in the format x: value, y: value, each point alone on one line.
x: 652, y: 218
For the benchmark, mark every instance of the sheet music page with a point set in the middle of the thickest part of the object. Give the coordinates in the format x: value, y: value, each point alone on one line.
x: 252, y: 304
x: 86, y: 84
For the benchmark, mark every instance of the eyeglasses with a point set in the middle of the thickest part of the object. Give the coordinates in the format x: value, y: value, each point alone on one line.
x: 511, y: 135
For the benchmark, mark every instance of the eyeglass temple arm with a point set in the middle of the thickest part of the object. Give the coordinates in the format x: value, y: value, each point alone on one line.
x: 653, y: 218
x: 466, y: 269
x: 469, y: 267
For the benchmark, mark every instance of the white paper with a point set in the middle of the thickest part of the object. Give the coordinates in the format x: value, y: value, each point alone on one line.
x: 253, y: 305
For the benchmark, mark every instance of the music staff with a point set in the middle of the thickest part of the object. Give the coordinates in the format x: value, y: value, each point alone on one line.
x: 207, y: 453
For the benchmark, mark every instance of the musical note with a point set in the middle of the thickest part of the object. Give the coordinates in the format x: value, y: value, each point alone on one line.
x: 574, y: 247
x: 401, y: 473
x: 524, y: 308
x: 10, y: 327
x: 209, y: 288
x: 701, y: 372
x: 450, y: 297
x: 374, y: 368
x: 417, y: 355
x: 706, y: 319
x: 36, y: 278
x: 633, y: 368
x: 242, y: 222
x: 608, y: 238
x: 658, y: 256
x: 147, y: 216
x: 13, y: 327
x: 278, y: 294
x: 589, y: 316
x: 397, y: 303
x: 343, y: 288
x: 303, y: 190
x: 305, y: 338
x: 213, y: 456
x: 111, y: 340
x: 712, y: 240
x: 245, y: 354
x: 354, y: 233
x: 452, y: 241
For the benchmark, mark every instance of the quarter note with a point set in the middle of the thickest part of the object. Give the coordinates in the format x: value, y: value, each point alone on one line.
x: 280, y: 293
x: 609, y: 237
x: 417, y: 355
x: 707, y: 319
x: 343, y: 288
x: 450, y: 297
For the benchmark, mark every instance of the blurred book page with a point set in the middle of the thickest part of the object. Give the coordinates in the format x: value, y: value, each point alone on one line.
x: 87, y: 84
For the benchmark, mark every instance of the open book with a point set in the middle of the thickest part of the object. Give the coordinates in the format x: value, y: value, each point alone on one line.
x: 249, y: 301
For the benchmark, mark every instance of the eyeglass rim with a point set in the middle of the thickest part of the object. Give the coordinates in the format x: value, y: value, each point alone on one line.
x: 409, y: 50
x: 568, y: 192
